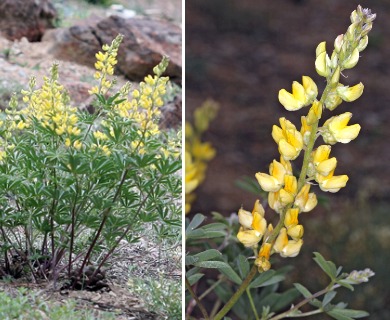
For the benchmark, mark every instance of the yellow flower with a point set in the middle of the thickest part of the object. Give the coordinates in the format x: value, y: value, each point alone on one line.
x: 350, y: 93
x: 332, y: 183
x: 274, y: 181
x: 335, y: 129
x: 291, y: 218
x: 288, y: 138
x: 295, y: 231
x: 249, y: 238
x: 292, y: 248
x: 302, y: 94
x: 304, y: 200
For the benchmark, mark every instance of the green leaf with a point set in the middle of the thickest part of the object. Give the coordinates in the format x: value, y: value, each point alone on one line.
x: 347, y: 314
x: 304, y: 291
x: 243, y: 266
x: 195, y: 278
x: 196, y: 222
x: 327, y: 266
x: 223, y: 267
x: 262, y: 278
x: 212, y: 230
x: 346, y: 284
x: 203, y: 256
x: 328, y: 298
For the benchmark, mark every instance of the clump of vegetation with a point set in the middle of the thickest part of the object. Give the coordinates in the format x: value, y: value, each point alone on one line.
x: 74, y: 185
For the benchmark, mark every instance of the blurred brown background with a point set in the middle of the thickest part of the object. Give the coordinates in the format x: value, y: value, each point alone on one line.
x: 240, y: 53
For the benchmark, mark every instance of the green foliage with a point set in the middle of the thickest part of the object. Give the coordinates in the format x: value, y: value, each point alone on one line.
x: 264, y: 288
x: 28, y: 305
x: 161, y: 295
x: 74, y: 185
x: 100, y: 2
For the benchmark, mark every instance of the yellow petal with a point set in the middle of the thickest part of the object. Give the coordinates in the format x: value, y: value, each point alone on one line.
x: 245, y: 218
x: 292, y: 248
x: 268, y: 183
x: 249, y: 238
x: 288, y: 101
x: 291, y: 218
x: 326, y: 166
x: 295, y: 232
x: 281, y: 241
x: 334, y: 183
x: 259, y: 223
x: 350, y: 93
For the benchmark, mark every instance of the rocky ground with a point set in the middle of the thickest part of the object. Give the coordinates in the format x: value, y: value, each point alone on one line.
x: 241, y: 53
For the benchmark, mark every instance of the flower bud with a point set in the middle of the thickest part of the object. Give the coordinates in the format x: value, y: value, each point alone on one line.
x: 363, y: 43
x: 338, y: 43
x: 315, y: 113
x: 352, y: 60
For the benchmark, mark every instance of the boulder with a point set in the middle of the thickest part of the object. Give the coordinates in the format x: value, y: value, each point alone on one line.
x: 26, y: 18
x: 145, y: 42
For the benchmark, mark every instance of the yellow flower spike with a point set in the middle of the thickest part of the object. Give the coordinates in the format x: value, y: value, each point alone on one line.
x: 327, y: 166
x: 259, y: 223
x: 292, y: 248
x: 336, y: 129
x: 245, y: 218
x: 304, y: 200
x: 281, y: 241
x: 332, y: 183
x: 249, y: 238
x: 268, y: 183
x: 295, y: 231
x: 291, y: 218
x: 350, y: 94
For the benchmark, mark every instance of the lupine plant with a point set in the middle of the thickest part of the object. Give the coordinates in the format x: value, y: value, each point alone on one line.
x: 288, y: 196
x: 75, y: 185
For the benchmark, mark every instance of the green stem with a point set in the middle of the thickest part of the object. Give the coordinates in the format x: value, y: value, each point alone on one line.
x: 193, y: 295
x: 248, y: 292
x: 305, y: 301
x: 244, y: 285
x: 211, y: 288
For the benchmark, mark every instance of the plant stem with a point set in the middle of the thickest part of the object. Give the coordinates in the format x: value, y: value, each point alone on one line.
x: 244, y: 285
x: 193, y: 295
x: 248, y: 292
x: 303, y: 302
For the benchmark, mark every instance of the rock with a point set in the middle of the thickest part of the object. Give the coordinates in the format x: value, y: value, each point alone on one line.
x: 145, y: 42
x: 26, y: 18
